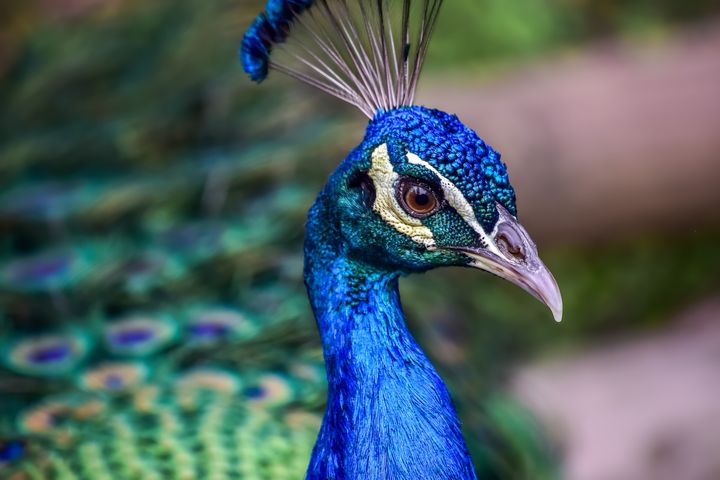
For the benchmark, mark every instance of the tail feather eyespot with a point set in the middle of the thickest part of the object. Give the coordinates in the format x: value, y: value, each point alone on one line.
x: 56, y: 416
x: 45, y: 270
x: 270, y: 389
x: 210, y: 324
x: 46, y: 355
x: 209, y: 379
x: 139, y: 335
x: 114, y: 376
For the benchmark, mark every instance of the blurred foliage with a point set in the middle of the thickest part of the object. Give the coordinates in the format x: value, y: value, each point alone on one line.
x: 151, y: 93
x: 471, y: 32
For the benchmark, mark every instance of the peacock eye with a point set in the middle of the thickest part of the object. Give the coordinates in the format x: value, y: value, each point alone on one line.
x: 417, y: 198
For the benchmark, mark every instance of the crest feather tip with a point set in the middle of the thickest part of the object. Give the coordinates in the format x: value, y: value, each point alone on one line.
x: 255, y: 50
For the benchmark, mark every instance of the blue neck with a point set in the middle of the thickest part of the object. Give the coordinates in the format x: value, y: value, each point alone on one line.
x: 389, y: 415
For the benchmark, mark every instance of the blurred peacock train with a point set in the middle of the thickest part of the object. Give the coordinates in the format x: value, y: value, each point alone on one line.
x: 180, y: 369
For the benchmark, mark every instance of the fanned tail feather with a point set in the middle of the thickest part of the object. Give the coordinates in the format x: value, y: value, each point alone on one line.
x: 367, y: 53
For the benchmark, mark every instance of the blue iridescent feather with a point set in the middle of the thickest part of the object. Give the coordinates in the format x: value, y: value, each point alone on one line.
x: 255, y: 49
x: 269, y: 28
x: 11, y: 451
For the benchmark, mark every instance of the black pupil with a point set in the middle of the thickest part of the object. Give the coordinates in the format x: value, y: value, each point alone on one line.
x: 421, y: 197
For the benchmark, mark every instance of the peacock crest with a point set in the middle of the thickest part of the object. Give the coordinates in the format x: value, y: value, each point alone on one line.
x: 369, y: 54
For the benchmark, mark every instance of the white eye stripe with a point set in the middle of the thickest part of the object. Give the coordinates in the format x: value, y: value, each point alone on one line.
x: 386, y: 205
x: 457, y: 200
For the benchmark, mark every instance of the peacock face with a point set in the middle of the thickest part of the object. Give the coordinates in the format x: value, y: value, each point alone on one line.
x: 424, y: 191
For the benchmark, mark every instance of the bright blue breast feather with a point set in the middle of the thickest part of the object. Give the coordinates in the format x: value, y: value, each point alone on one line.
x: 455, y: 150
x: 389, y: 415
x: 269, y: 28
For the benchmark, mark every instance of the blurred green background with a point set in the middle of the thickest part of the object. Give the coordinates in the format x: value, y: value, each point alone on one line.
x: 123, y: 118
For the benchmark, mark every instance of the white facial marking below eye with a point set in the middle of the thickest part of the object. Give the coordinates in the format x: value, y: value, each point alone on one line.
x: 386, y: 205
x: 457, y: 200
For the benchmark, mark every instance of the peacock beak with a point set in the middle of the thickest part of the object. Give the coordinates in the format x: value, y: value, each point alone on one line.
x: 514, y: 257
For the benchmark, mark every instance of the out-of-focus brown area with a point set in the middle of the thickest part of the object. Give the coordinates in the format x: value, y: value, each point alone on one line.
x: 610, y: 142
x: 641, y: 408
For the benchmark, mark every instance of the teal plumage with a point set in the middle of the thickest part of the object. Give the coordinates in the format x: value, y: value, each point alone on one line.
x: 153, y: 319
x: 214, y: 373
x: 129, y: 364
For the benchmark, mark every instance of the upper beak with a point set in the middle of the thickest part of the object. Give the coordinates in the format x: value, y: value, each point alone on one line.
x: 524, y: 268
x: 540, y: 284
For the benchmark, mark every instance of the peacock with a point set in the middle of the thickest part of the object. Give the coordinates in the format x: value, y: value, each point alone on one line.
x: 143, y: 337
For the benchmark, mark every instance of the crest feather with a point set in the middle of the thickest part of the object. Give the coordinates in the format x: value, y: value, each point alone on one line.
x: 368, y: 53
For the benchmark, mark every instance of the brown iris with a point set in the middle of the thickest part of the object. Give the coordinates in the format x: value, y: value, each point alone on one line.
x: 418, y: 199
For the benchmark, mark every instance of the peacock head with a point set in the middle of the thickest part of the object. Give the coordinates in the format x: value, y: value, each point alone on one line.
x: 424, y: 191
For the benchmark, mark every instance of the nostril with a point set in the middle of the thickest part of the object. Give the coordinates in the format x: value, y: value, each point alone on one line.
x: 511, y: 243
